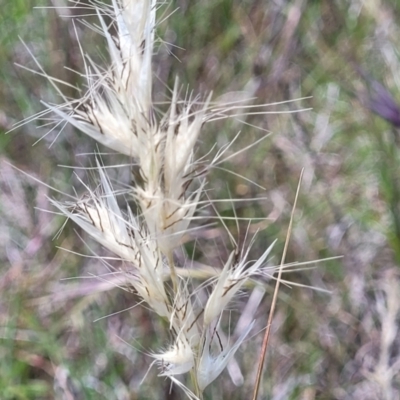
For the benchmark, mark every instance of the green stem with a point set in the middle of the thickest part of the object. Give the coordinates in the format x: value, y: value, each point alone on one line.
x: 197, y: 390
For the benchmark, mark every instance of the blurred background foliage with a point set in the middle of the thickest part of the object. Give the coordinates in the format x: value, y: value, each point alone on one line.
x: 343, y: 57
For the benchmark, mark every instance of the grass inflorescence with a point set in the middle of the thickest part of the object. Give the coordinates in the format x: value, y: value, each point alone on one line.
x: 144, y: 224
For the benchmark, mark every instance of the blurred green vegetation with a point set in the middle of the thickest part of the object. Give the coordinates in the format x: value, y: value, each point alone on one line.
x: 323, y: 346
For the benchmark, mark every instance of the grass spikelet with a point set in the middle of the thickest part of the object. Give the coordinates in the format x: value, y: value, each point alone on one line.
x: 233, y: 276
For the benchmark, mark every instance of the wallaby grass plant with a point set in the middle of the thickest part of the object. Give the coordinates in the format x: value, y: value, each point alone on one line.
x: 335, y: 347
x: 169, y: 185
